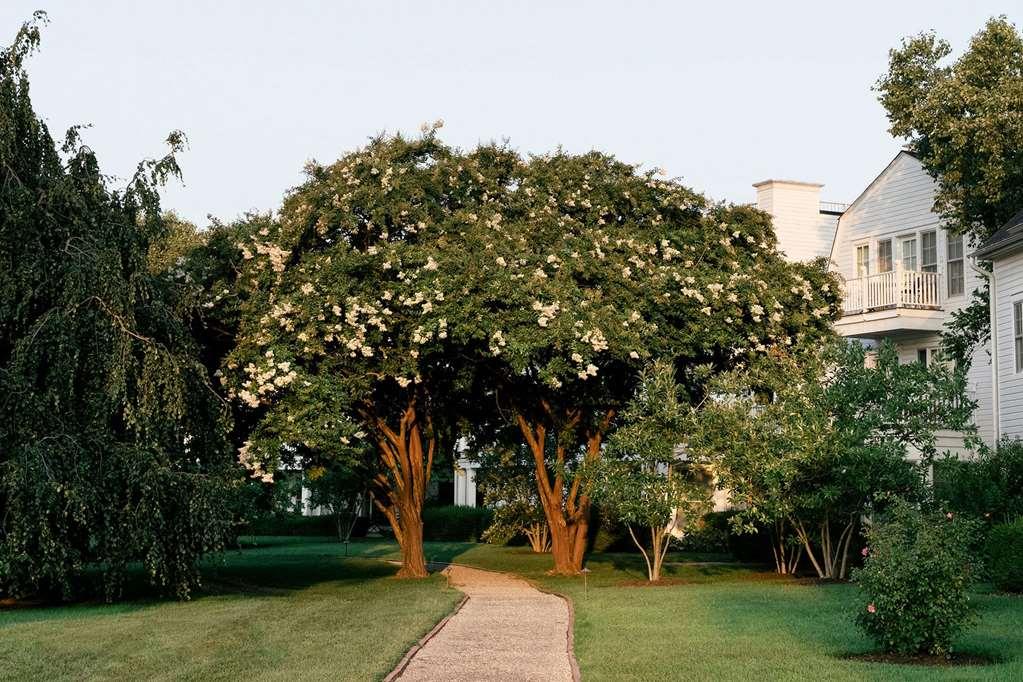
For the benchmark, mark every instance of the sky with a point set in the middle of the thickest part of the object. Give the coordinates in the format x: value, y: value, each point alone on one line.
x: 719, y: 94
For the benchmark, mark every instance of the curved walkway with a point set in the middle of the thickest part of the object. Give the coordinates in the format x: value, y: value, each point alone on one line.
x: 506, y: 629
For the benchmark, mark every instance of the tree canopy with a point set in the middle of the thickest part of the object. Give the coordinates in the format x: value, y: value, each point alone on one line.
x: 344, y: 344
x: 588, y: 270
x: 962, y: 120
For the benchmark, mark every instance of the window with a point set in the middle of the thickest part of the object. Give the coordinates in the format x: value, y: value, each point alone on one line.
x: 862, y: 260
x: 956, y: 274
x: 884, y: 255
x: 929, y: 251
x: 908, y: 253
x: 1017, y: 333
x: 928, y: 356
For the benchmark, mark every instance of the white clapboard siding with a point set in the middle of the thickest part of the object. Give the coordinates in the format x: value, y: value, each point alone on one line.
x: 1008, y: 289
x: 899, y: 202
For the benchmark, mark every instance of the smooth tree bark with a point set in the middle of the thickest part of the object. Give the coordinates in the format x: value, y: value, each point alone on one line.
x: 660, y: 538
x: 407, y: 454
x: 833, y: 561
x: 786, y: 557
x: 566, y: 507
x: 539, y: 537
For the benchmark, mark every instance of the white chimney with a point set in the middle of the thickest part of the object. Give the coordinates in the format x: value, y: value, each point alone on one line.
x: 804, y: 231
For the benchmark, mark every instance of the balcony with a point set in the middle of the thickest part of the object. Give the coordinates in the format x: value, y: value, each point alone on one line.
x: 890, y: 303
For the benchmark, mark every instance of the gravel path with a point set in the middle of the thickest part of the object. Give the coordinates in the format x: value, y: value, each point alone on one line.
x: 506, y: 630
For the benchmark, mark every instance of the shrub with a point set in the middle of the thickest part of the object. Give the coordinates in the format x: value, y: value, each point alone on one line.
x: 1005, y: 556
x: 989, y: 487
x: 914, y: 579
x: 456, y: 524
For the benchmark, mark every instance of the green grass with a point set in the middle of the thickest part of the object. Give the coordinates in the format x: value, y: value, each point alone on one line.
x: 296, y: 611
x: 297, y: 608
x: 730, y: 622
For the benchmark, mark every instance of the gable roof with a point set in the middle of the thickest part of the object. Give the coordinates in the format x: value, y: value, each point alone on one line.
x: 1008, y: 235
x: 866, y: 191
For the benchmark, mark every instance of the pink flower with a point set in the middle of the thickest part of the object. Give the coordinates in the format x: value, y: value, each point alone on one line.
x: 871, y: 608
x: 866, y: 551
x: 948, y: 515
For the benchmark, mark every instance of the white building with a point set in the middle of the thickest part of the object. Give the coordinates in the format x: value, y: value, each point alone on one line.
x: 903, y: 273
x: 1004, y: 250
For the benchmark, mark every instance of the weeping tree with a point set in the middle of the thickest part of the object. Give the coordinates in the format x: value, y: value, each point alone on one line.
x: 112, y: 443
x: 587, y: 270
x: 346, y: 302
x: 645, y: 480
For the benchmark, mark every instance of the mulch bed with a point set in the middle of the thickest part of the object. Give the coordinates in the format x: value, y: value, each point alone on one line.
x: 926, y: 660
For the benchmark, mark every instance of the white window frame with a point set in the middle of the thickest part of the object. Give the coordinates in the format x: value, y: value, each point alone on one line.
x: 891, y: 254
x: 901, y: 259
x: 865, y: 272
x: 933, y: 265
x: 948, y: 265
x: 1017, y: 333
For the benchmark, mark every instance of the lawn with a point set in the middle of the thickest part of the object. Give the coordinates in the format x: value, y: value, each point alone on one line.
x: 730, y: 622
x: 299, y: 608
x: 296, y: 611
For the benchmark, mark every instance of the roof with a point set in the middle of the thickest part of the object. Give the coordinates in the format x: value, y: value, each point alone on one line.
x: 1008, y: 235
x: 867, y: 190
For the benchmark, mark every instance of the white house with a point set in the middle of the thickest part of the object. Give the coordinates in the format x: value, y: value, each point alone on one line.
x: 903, y: 273
x: 1004, y: 250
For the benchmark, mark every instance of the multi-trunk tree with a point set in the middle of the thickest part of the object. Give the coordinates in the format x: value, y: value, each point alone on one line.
x: 806, y: 444
x: 112, y: 441
x: 344, y: 346
x: 646, y: 481
x: 588, y: 270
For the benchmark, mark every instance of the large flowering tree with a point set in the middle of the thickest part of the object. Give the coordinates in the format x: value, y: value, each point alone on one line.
x: 585, y: 272
x: 343, y: 348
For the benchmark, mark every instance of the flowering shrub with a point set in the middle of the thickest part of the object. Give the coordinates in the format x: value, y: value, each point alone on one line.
x: 915, y: 576
x: 1005, y: 556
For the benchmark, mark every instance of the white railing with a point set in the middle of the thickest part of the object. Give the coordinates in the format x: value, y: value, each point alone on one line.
x: 895, y: 289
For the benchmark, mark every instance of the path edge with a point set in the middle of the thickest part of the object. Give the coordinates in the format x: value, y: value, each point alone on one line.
x: 569, y: 639
x: 410, y: 654
x: 570, y: 643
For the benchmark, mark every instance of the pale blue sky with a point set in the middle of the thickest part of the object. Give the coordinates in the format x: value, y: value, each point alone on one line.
x: 721, y: 93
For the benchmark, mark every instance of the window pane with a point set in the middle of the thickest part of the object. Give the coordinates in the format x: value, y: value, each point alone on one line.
x: 884, y: 256
x: 1017, y: 318
x: 862, y: 261
x: 956, y: 280
x: 921, y: 356
x: 955, y: 247
x: 929, y: 248
x: 1019, y: 354
x: 909, y: 254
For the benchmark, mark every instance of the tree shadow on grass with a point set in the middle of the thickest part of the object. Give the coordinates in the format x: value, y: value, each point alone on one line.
x: 278, y: 567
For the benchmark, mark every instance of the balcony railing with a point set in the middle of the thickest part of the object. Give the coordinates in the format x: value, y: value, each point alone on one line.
x: 895, y: 289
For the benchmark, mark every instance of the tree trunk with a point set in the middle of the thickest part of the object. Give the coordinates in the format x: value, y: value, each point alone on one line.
x: 408, y: 467
x: 539, y: 537
x: 567, y: 512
